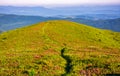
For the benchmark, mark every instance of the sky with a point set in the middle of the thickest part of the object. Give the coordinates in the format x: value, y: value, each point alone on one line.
x: 57, y: 2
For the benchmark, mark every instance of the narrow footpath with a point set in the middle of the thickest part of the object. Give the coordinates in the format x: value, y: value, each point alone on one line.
x: 68, y: 62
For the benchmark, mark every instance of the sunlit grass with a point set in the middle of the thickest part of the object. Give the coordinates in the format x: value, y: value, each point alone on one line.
x: 36, y: 50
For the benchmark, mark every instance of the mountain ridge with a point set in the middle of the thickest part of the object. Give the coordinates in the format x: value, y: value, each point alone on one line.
x: 87, y: 32
x: 59, y: 47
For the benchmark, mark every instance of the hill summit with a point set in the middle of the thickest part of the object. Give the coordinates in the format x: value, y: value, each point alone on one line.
x: 59, y: 47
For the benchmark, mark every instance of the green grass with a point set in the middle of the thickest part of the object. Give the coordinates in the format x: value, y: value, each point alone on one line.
x: 36, y: 50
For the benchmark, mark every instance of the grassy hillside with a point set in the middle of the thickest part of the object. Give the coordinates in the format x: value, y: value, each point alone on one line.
x: 60, y: 48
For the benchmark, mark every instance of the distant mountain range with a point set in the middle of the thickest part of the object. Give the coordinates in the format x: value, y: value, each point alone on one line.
x: 9, y: 21
x: 0, y: 31
x: 92, y: 11
x: 111, y: 24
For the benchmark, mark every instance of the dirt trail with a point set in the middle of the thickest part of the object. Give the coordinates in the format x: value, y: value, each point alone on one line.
x: 68, y: 62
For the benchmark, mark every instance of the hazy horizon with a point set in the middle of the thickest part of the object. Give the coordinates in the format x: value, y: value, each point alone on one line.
x: 57, y: 3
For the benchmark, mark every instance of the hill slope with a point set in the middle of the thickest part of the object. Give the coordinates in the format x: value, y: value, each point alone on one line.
x: 59, y: 48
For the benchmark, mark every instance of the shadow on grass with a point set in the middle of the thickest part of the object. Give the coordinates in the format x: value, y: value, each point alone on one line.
x: 68, y: 64
x: 112, y: 75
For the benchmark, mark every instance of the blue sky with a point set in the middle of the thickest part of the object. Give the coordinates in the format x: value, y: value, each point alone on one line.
x: 57, y: 2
